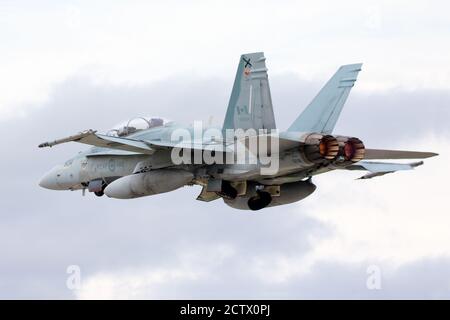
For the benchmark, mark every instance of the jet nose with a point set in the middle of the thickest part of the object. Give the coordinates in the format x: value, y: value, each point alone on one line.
x: 49, y: 180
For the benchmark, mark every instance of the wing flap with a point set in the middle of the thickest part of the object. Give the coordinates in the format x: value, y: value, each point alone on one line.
x: 193, y: 145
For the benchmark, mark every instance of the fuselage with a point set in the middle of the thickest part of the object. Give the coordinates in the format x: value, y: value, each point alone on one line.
x: 258, y: 169
x: 107, y: 165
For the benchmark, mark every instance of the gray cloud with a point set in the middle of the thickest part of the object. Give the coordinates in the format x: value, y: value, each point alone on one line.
x: 42, y: 232
x: 420, y: 279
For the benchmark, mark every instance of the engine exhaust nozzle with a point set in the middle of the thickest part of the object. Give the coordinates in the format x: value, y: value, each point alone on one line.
x: 320, y: 148
x: 351, y: 149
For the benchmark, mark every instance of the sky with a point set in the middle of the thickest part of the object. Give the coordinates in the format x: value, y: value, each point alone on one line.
x: 73, y: 65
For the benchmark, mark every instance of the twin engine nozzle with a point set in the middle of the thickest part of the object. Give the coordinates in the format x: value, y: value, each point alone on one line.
x: 350, y: 149
x: 338, y: 150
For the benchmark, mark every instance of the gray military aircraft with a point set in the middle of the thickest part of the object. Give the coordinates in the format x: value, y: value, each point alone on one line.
x: 142, y: 157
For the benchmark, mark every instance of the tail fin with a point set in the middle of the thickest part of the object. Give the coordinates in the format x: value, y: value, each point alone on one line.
x: 323, y: 112
x: 250, y: 103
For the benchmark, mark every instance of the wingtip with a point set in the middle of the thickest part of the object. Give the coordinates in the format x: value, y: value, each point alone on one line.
x: 353, y: 66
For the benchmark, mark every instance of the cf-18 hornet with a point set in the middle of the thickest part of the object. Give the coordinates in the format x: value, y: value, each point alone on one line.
x: 248, y: 162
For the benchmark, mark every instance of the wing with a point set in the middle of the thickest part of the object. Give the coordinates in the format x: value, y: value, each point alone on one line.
x: 92, y: 138
x: 381, y: 168
x: 323, y: 112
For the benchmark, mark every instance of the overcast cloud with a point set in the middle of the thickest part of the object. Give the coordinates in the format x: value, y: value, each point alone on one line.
x: 159, y: 248
x: 172, y: 246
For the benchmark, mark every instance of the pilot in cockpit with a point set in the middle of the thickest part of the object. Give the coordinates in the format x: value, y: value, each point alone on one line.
x: 135, y: 125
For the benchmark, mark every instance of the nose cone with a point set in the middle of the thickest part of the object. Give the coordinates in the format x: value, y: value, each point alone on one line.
x: 49, y: 180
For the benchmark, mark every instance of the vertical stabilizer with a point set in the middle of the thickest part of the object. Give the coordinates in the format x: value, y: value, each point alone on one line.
x: 323, y: 112
x: 250, y: 103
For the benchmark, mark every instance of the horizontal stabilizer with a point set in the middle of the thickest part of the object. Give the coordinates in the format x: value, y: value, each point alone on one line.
x: 396, y: 154
x: 381, y: 168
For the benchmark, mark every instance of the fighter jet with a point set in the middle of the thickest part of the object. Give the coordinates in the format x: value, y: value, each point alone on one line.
x: 247, y: 162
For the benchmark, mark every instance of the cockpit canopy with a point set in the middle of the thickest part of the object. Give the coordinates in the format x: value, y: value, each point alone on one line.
x: 136, y: 124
